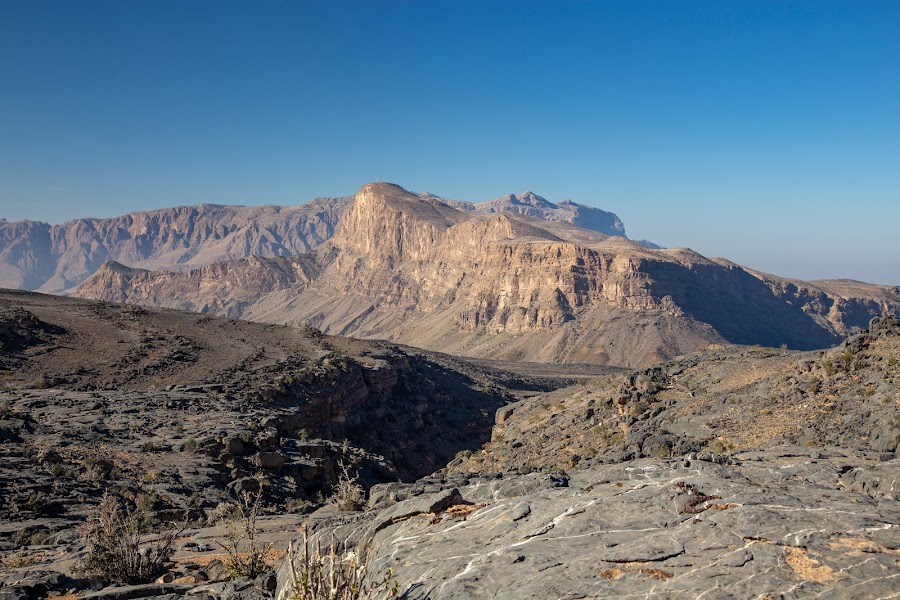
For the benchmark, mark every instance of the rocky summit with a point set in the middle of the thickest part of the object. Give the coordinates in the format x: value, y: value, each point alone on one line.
x: 416, y: 269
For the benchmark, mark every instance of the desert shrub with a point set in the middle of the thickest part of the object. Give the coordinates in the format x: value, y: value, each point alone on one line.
x: 190, y: 445
x: 333, y: 574
x: 38, y: 537
x: 251, y: 560
x: 150, y: 447
x: 311, y: 332
x: 463, y: 454
x: 222, y: 513
x: 845, y: 360
x: 113, y: 545
x: 347, y: 495
x: 22, y: 558
x: 145, y: 502
x: 828, y: 366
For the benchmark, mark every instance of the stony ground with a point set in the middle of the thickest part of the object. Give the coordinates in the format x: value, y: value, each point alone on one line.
x: 737, y: 472
x: 782, y: 523
x: 179, y: 414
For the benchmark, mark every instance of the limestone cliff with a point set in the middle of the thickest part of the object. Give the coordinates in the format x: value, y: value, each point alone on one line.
x: 56, y: 258
x: 417, y: 270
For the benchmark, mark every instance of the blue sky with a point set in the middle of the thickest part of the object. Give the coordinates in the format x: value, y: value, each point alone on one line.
x: 764, y: 132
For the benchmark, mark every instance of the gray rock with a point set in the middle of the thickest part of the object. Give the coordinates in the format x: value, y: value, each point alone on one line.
x: 234, y: 446
x: 268, y: 460
x: 671, y: 528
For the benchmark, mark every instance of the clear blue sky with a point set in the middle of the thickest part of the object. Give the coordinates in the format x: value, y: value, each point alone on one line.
x: 764, y: 132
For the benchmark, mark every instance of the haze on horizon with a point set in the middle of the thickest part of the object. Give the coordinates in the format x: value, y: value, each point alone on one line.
x: 768, y: 134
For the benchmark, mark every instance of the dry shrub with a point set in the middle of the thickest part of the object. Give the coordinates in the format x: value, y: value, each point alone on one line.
x: 347, y: 494
x: 112, y: 535
x: 333, y: 574
x: 222, y: 513
x: 250, y: 562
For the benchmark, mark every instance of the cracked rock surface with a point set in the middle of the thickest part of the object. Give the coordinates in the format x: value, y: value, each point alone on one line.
x: 781, y: 525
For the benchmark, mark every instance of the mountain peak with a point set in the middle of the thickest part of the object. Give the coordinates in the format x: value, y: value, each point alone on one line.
x: 383, y: 188
x: 532, y: 199
x: 112, y: 266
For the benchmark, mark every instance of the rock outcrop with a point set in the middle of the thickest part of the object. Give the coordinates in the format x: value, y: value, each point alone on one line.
x: 416, y: 270
x: 779, y: 525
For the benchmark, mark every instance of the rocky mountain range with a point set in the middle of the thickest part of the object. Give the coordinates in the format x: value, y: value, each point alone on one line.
x: 56, y: 258
x: 496, y: 282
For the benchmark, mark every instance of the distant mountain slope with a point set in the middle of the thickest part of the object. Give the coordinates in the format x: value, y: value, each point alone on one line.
x: 530, y: 204
x: 56, y: 258
x: 414, y: 269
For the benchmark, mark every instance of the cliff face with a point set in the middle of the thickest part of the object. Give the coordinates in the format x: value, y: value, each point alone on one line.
x: 225, y: 288
x: 417, y: 270
x: 56, y: 258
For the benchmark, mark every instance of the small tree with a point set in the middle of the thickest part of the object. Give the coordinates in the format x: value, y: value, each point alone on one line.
x: 114, y: 553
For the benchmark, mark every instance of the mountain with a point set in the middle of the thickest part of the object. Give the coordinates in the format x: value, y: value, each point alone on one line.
x: 417, y: 270
x: 530, y: 204
x: 56, y: 258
